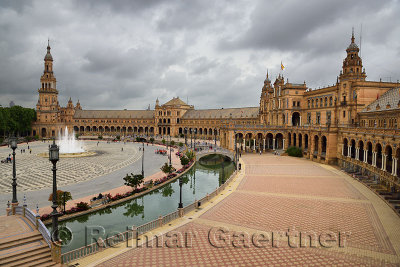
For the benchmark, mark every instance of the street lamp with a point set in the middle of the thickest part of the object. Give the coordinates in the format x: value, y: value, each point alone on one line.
x: 143, y: 161
x: 170, y: 149
x: 234, y: 132
x: 223, y: 173
x: 54, y: 157
x: 186, y: 136
x: 191, y: 138
x: 180, y: 206
x: 215, y: 138
x: 13, y: 145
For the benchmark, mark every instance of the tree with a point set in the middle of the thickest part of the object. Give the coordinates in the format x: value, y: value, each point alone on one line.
x: 172, y: 143
x: 180, y: 144
x: 118, y: 137
x: 133, y: 180
x: 190, y: 155
x: 163, y: 141
x: 184, y: 160
x: 61, y: 197
x: 16, y: 120
x: 151, y: 139
x: 167, y: 169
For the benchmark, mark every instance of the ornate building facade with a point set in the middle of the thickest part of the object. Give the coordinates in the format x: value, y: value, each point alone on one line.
x: 351, y: 123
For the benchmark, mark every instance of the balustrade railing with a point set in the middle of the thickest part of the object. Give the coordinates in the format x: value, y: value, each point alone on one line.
x: 32, y: 217
x: 147, y: 227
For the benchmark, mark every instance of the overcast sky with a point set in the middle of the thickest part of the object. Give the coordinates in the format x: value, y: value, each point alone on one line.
x: 125, y: 54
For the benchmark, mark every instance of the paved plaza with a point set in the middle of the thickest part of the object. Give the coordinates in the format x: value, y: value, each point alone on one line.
x: 80, y: 176
x: 276, y: 194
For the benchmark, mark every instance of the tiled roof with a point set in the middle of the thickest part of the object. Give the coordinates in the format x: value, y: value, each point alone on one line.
x: 250, y: 112
x: 175, y: 102
x: 388, y: 101
x: 120, y: 114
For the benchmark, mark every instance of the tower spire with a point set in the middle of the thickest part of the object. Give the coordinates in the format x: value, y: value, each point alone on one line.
x: 352, y: 35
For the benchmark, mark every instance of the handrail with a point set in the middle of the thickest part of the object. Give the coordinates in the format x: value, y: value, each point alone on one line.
x: 95, y: 247
x: 31, y: 216
x: 45, y: 232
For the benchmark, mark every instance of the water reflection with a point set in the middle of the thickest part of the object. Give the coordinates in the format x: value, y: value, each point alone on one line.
x: 197, y: 182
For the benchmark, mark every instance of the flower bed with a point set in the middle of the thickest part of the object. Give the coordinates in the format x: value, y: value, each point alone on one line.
x: 83, y: 206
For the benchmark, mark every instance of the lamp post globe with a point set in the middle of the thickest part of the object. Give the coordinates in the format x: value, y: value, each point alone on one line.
x: 54, y: 157
x: 13, y: 145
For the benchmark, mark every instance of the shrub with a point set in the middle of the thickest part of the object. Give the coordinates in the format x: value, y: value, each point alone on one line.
x: 172, y: 143
x: 36, y: 137
x: 294, y: 151
x: 184, y: 160
x: 182, y: 135
x: 152, y: 140
x: 190, y: 155
x: 118, y: 137
x: 166, y: 168
x: 100, y: 137
x: 81, y: 206
x: 45, y: 217
x: 180, y: 144
x: 163, y: 141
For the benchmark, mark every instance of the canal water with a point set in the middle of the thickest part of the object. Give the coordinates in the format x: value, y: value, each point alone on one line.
x: 204, y: 177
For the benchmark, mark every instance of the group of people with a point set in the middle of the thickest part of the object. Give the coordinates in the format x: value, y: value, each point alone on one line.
x: 161, y: 151
x: 7, y: 160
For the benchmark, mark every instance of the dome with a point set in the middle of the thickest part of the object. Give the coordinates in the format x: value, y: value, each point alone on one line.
x: 352, y: 47
x: 48, y: 55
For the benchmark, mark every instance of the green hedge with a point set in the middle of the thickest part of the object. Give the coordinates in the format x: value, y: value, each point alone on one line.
x: 294, y: 151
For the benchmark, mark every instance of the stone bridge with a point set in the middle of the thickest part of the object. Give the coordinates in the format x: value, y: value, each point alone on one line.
x: 221, y: 151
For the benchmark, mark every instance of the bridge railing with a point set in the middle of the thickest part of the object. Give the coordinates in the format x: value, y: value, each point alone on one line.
x: 34, y: 219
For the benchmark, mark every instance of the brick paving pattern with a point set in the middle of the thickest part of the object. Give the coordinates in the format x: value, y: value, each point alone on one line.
x: 280, y: 193
x: 34, y: 172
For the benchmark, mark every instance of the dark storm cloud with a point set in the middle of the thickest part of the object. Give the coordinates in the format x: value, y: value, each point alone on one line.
x: 125, y: 54
x: 299, y: 25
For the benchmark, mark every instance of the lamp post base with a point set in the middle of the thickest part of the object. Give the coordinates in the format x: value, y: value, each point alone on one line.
x: 13, y: 206
x: 181, y: 212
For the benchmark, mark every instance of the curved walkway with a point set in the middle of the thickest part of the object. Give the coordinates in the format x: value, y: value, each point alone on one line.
x: 285, y: 199
x: 81, y: 190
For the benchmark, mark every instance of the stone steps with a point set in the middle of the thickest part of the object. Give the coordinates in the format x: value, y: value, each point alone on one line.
x: 23, y: 254
x: 25, y: 249
x: 20, y: 240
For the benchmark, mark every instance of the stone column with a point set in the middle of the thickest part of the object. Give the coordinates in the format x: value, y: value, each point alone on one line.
x: 357, y: 153
x: 254, y: 144
x: 300, y: 121
x: 365, y: 156
x: 384, y: 156
x: 273, y: 143
x: 374, y: 159
x: 349, y: 151
x: 394, y: 166
x: 264, y: 145
x: 283, y: 144
x: 342, y: 149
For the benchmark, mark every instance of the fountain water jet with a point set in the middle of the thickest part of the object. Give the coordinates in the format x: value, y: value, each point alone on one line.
x: 68, y: 143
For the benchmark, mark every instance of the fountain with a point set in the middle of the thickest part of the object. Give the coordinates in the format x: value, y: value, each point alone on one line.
x: 68, y: 143
x: 70, y: 147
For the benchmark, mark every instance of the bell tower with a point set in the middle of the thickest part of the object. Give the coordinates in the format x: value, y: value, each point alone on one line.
x: 47, y: 108
x: 352, y: 68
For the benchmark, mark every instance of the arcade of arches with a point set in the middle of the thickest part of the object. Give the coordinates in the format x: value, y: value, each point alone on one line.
x: 353, y: 123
